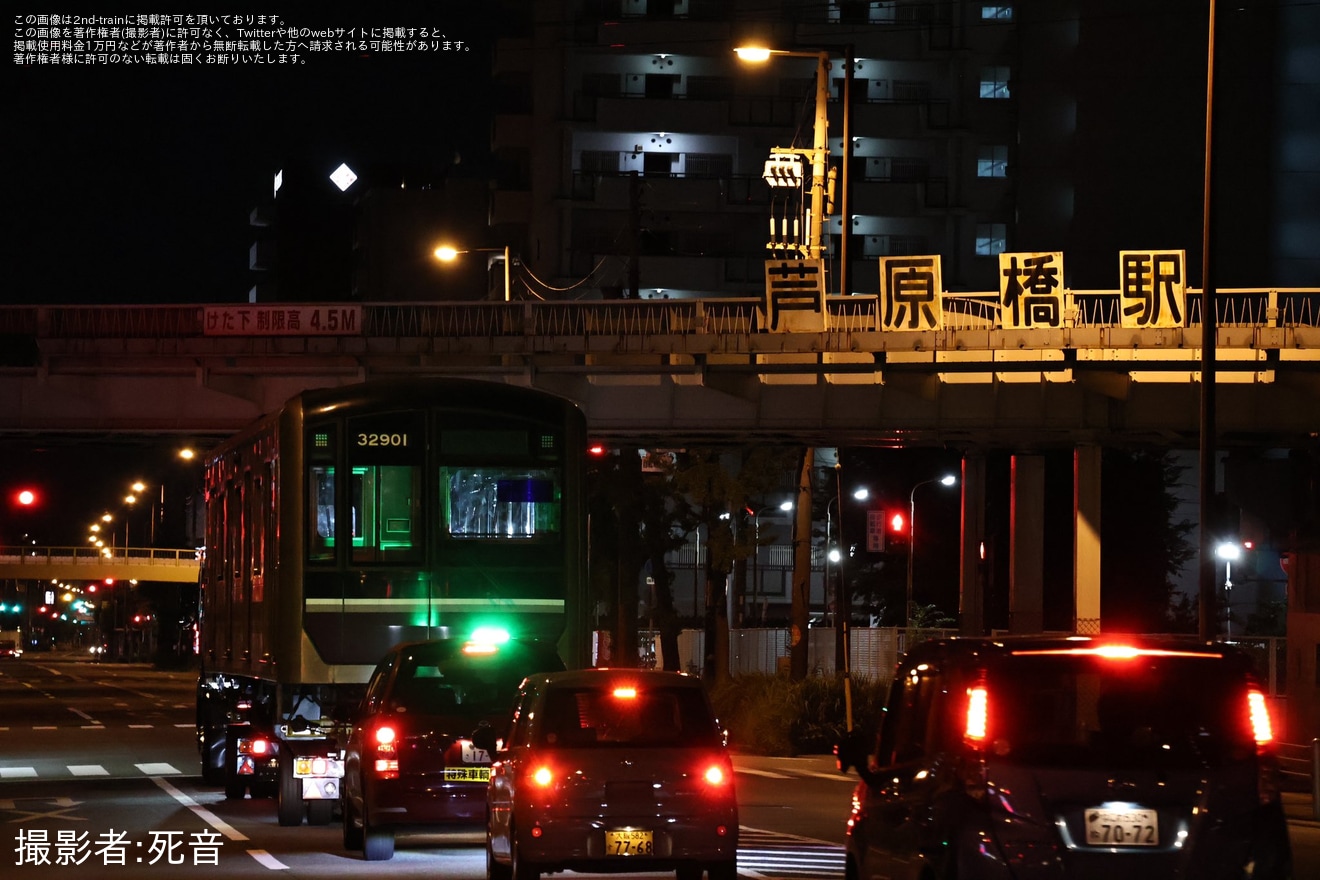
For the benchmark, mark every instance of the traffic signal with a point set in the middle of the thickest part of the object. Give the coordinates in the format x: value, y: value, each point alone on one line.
x: 26, y: 497
x: 898, y: 527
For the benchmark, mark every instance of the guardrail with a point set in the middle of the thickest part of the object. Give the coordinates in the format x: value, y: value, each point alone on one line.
x: 1300, y: 766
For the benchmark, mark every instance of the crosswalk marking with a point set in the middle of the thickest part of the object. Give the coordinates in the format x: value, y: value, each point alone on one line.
x: 763, y: 852
x: 87, y: 770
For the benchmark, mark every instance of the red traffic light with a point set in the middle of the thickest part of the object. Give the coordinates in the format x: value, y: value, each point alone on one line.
x: 597, y: 450
x: 898, y: 524
x: 26, y: 497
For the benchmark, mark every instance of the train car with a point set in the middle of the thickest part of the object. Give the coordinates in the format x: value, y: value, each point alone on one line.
x: 358, y: 517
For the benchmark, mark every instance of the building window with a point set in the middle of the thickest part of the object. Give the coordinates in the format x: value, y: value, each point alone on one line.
x: 996, y: 12
x: 991, y: 239
x: 992, y: 161
x: 994, y: 82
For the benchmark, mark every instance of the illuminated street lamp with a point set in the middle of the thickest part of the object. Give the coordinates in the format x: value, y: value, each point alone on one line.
x: 820, y: 149
x: 447, y: 254
x: 947, y: 480
x: 1230, y: 552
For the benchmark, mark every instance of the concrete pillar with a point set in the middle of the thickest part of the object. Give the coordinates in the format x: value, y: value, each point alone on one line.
x: 972, y: 568
x: 1026, y: 562
x: 1086, y: 540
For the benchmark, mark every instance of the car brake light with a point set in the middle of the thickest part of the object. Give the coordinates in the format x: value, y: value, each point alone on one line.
x: 978, y: 715
x: 387, y: 754
x: 1261, y: 728
x: 625, y: 693
x: 542, y: 776
x: 715, y: 775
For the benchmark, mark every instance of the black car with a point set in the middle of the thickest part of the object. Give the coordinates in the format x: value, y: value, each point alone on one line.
x: 1068, y: 758
x: 609, y: 771
x: 420, y: 752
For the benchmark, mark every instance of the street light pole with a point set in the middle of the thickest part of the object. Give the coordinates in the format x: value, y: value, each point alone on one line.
x: 947, y: 480
x: 446, y: 254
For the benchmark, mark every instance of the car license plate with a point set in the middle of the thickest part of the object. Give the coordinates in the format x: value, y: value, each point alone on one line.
x: 467, y: 774
x: 628, y: 842
x: 1106, y: 826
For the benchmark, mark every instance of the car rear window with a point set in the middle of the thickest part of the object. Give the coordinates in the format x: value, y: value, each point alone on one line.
x: 1168, y: 711
x: 592, y: 717
x: 443, y: 680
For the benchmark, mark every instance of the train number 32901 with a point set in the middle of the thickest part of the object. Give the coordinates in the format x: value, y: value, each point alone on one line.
x: 374, y: 439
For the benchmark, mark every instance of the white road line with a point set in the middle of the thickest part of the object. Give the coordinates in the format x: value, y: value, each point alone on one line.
x: 142, y: 726
x: 201, y: 812
x: 836, y: 777
x: 157, y: 769
x: 83, y: 715
x: 268, y: 860
x: 88, y: 770
x: 766, y: 773
x: 18, y: 772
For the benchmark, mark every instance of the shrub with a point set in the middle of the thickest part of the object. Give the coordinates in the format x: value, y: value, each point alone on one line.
x: 775, y: 715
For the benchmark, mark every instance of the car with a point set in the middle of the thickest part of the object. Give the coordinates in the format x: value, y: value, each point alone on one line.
x: 9, y: 649
x: 412, y: 761
x: 612, y: 770
x: 1031, y: 758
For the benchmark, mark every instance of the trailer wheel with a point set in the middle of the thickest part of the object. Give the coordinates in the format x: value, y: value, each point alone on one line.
x: 290, y: 807
x: 213, y: 756
x: 319, y: 812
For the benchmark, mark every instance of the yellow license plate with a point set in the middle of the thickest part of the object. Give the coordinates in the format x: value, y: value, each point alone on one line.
x: 628, y: 842
x: 1107, y: 826
x: 467, y: 774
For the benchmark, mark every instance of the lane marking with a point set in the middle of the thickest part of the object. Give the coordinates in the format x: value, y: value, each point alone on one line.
x: 266, y: 859
x: 201, y: 812
x: 88, y: 770
x: 157, y: 769
x: 18, y: 772
x: 768, y: 774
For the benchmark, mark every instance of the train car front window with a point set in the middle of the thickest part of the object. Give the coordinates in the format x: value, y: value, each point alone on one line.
x: 501, y: 502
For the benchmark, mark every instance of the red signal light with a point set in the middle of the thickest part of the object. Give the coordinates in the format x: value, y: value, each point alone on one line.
x: 897, y: 523
x: 597, y: 450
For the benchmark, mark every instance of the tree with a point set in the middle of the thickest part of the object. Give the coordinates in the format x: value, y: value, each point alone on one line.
x: 715, y: 484
x: 1143, y: 547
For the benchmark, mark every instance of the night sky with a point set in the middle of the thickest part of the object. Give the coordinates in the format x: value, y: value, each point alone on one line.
x: 135, y: 184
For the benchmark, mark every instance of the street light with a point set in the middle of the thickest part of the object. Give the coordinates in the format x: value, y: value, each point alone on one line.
x: 842, y: 599
x: 1230, y: 552
x: 447, y: 254
x: 947, y: 480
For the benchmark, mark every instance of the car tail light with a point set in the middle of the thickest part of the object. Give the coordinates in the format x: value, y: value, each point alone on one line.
x: 715, y: 775
x: 254, y: 746
x: 1259, y: 712
x: 978, y: 716
x: 542, y: 776
x: 384, y: 740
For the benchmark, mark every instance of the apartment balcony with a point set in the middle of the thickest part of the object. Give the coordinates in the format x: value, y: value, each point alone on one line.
x: 656, y: 114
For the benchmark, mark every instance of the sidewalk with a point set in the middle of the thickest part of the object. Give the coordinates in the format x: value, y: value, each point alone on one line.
x: 1299, y: 809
